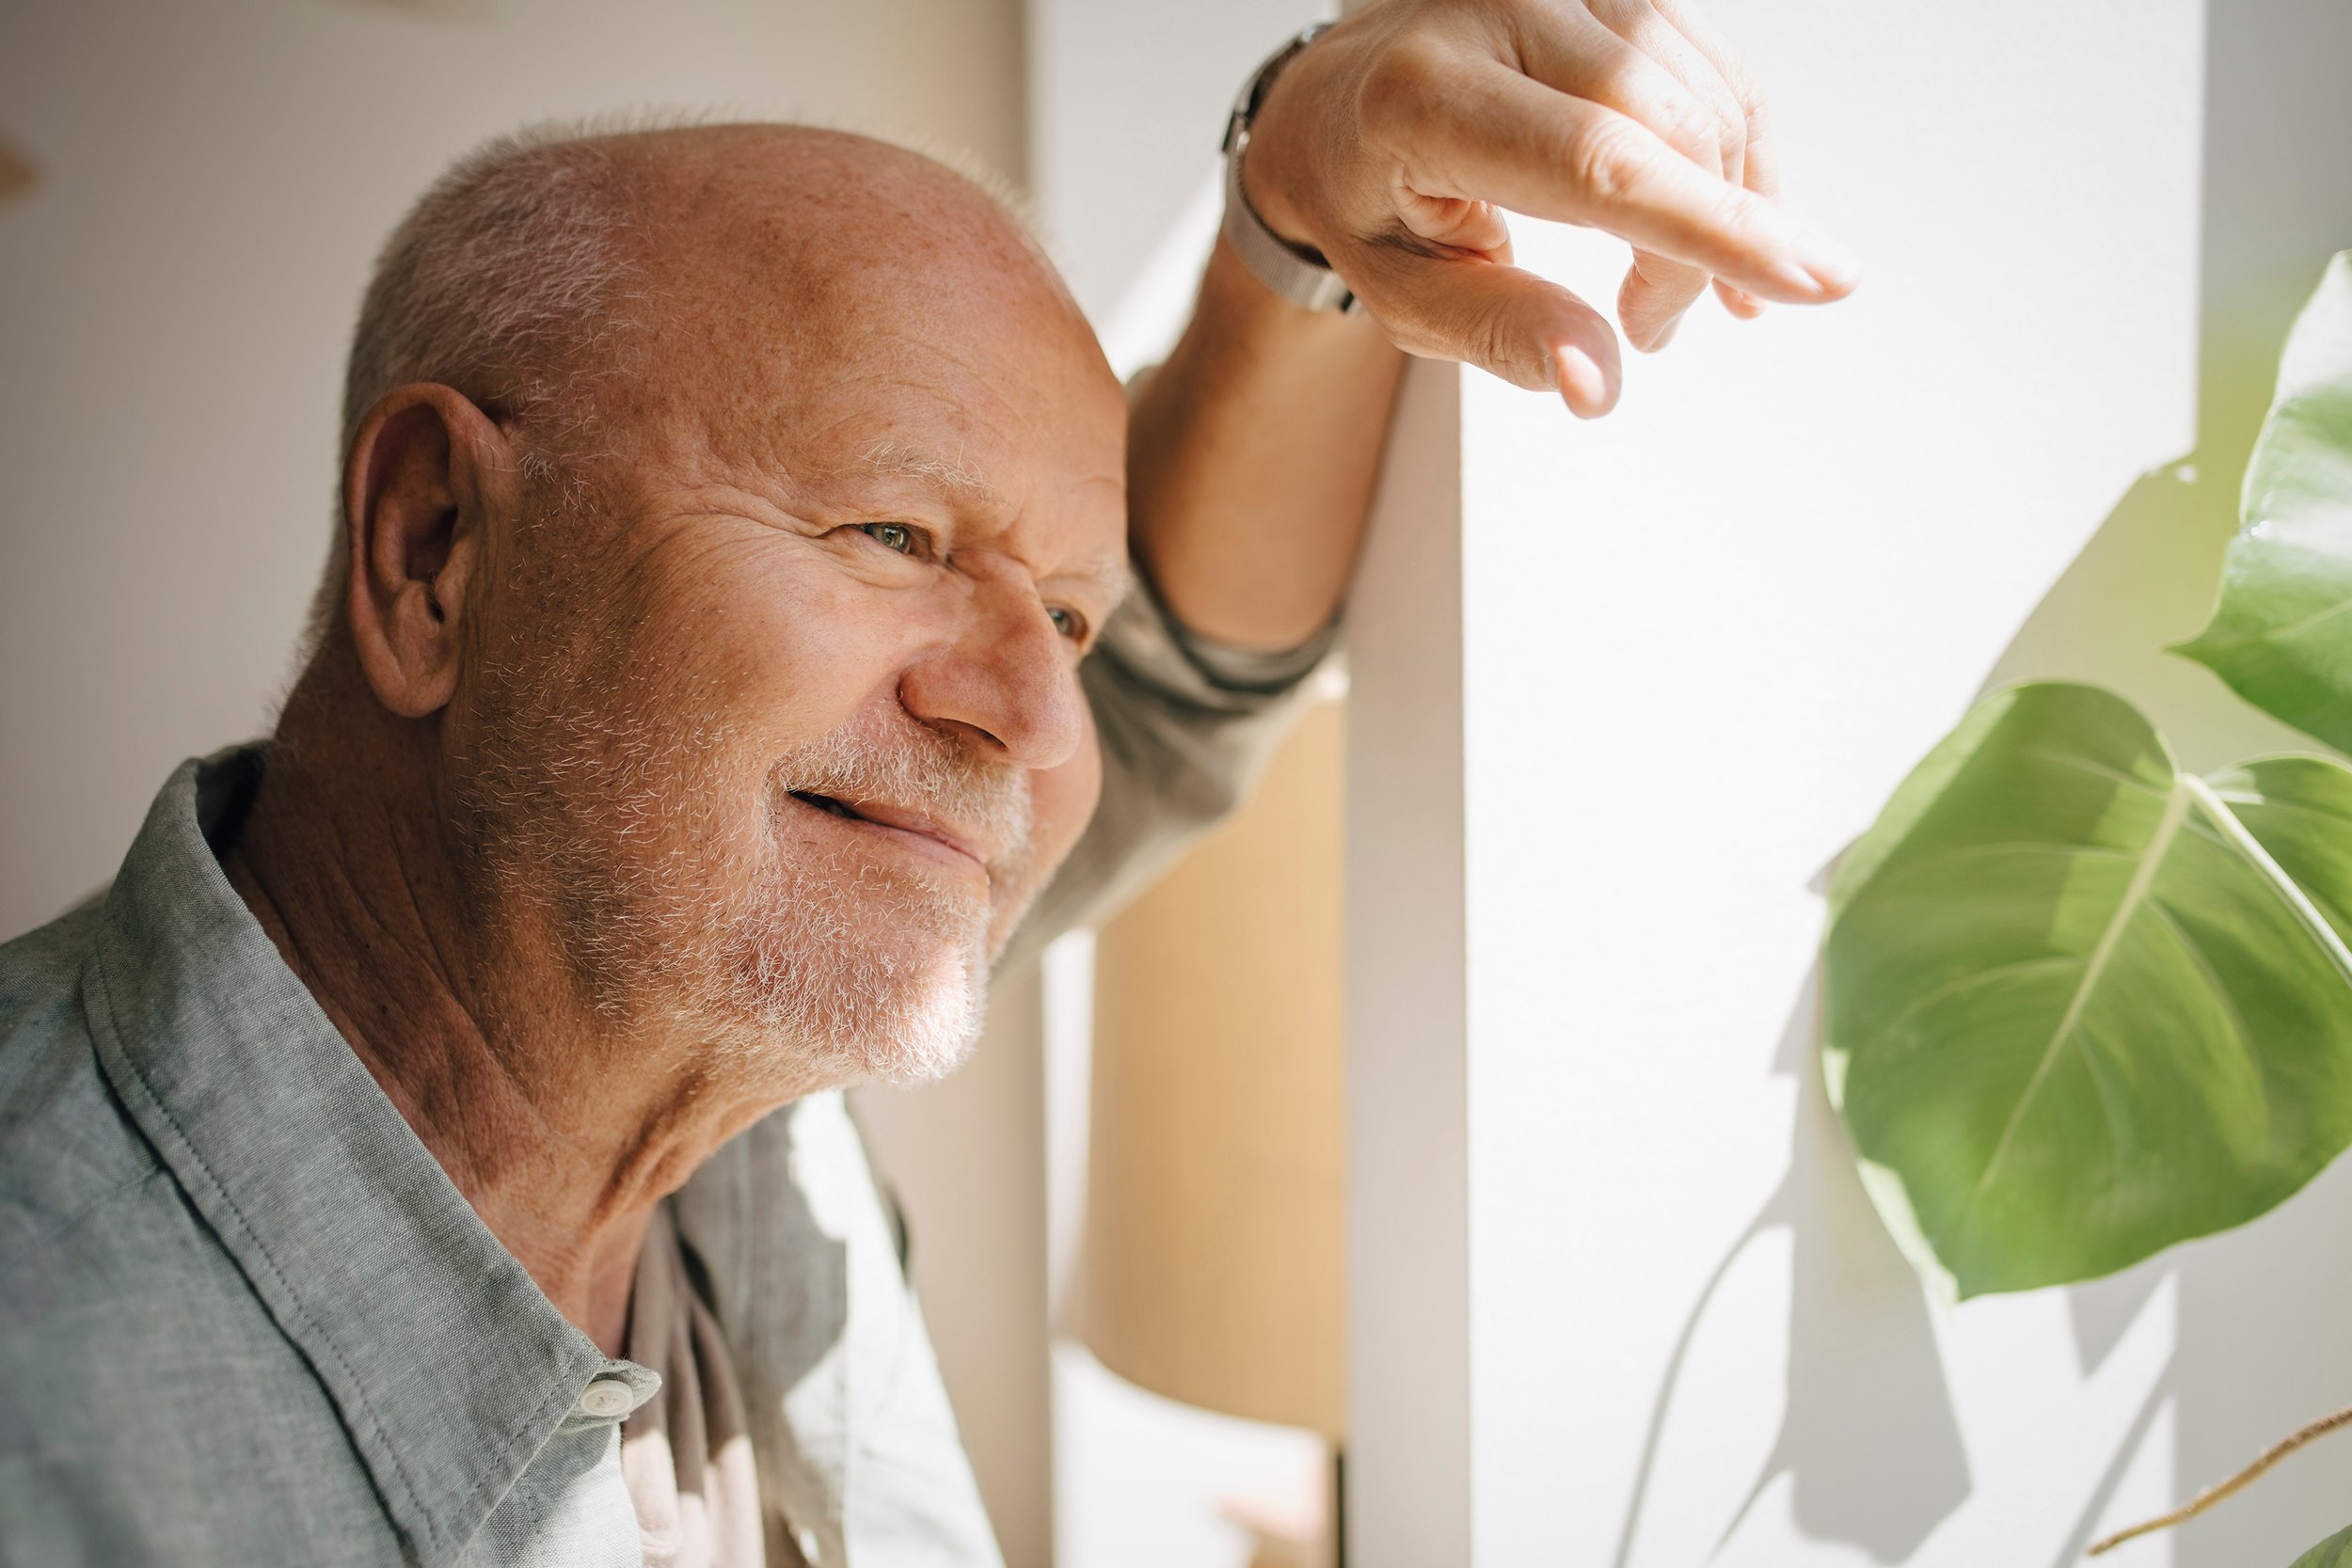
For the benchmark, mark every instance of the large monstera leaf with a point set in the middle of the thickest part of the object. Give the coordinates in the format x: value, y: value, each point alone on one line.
x: 2335, y: 1552
x: 2081, y: 1005
x: 2282, y: 635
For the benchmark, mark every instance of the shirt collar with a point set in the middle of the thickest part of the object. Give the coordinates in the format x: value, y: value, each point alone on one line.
x: 449, y: 1364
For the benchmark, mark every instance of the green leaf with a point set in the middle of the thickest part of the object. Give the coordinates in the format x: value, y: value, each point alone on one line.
x: 2282, y: 635
x: 2335, y: 1552
x: 2079, y: 1005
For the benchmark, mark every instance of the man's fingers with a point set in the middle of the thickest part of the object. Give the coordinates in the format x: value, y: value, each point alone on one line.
x: 1745, y: 307
x: 1642, y: 25
x: 1572, y: 52
x: 1458, y: 225
x: 1531, y: 332
x: 1625, y: 116
x: 1562, y: 53
x: 1530, y: 149
x: 1760, y: 172
x: 1655, y: 295
x: 1763, y: 173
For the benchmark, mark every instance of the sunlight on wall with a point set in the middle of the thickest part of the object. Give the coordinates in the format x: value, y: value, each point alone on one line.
x: 1152, y: 309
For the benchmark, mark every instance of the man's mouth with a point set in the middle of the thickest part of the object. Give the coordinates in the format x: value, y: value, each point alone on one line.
x: 826, y: 803
x: 914, y: 829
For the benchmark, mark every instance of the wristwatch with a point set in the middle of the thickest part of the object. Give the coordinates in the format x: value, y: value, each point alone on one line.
x: 1295, y: 272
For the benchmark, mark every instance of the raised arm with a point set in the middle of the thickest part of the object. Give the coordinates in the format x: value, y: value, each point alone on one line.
x: 1250, y: 459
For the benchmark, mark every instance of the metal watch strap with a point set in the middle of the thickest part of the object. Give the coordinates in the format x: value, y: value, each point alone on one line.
x: 1297, y: 274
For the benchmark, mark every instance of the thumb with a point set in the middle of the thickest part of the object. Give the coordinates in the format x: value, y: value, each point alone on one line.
x: 1531, y: 332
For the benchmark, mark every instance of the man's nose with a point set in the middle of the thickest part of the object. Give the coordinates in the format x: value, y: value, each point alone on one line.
x: 1008, y: 675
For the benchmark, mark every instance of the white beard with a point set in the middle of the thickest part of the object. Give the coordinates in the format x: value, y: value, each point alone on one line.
x: 801, y: 955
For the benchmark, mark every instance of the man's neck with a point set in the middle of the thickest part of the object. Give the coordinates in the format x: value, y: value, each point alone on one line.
x: 560, y: 1139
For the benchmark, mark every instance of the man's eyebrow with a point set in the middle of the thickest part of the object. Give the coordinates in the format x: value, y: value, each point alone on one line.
x: 1111, y: 575
x: 897, y: 460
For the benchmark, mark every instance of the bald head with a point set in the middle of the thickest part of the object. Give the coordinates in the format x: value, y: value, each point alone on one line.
x: 562, y: 276
x: 777, y: 258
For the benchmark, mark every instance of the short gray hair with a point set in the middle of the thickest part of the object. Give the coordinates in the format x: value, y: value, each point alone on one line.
x: 501, y: 282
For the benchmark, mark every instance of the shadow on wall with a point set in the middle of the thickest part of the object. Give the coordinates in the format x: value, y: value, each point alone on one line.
x: 1869, y: 1439
x: 1868, y: 1436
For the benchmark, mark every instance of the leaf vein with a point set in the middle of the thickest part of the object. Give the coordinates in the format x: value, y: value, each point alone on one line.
x: 2151, y: 861
x: 2239, y: 1025
x: 1961, y: 985
x: 2112, y: 775
x: 2017, y: 847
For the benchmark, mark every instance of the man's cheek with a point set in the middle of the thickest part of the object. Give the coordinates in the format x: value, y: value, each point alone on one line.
x: 1063, y: 800
x: 773, y: 636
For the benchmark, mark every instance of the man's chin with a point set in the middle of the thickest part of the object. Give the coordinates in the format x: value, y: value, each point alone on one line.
x: 897, y: 1065
x: 836, y: 1019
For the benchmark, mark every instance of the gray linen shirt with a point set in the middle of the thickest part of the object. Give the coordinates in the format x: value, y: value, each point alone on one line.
x: 246, y: 1319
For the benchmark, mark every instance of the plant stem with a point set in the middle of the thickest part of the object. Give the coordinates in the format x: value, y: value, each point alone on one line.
x: 2214, y: 1494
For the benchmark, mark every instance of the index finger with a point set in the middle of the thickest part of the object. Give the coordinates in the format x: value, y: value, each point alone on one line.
x: 1520, y: 145
x: 1763, y: 173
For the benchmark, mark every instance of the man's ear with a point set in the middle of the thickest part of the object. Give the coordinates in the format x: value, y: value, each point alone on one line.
x: 427, y: 468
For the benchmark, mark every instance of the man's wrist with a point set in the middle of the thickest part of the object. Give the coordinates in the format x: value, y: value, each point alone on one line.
x: 1270, y: 199
x: 1262, y: 225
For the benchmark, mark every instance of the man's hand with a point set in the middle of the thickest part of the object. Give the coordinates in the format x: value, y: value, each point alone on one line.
x: 1392, y: 144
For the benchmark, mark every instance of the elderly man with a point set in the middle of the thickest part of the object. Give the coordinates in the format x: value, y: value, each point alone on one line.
x: 429, y: 1149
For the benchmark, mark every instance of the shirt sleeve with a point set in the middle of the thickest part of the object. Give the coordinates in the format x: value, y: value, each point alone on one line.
x: 1186, y: 725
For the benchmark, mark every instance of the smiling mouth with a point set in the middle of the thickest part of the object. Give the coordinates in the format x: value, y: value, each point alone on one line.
x: 912, y: 833
x: 827, y: 804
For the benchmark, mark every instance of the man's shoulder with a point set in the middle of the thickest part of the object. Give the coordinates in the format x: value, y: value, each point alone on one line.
x: 103, y: 1262
x: 44, y: 965
x: 66, y: 1147
x: 143, y: 1389
x: 150, y: 1411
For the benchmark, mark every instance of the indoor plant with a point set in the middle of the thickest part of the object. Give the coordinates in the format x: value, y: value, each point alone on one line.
x: 2081, y: 1005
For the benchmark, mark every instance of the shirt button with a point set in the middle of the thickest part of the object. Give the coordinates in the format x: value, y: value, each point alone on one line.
x: 605, y: 1399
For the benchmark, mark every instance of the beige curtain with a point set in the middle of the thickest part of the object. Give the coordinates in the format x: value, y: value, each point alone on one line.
x: 1212, y: 1265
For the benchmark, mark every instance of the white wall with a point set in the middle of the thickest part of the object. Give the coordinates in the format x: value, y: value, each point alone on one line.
x: 1699, y: 643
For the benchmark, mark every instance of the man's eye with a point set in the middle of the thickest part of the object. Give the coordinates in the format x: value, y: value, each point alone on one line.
x: 1068, y: 622
x: 902, y: 537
